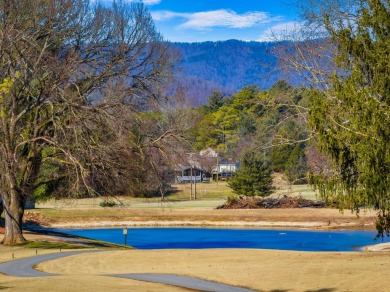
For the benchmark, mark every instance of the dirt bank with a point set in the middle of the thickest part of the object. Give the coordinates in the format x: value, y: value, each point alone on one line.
x: 299, y: 218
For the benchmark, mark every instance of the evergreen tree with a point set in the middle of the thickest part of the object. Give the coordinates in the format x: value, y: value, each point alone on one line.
x: 352, y: 118
x: 296, y: 165
x: 254, y: 176
x: 215, y: 101
x: 281, y: 85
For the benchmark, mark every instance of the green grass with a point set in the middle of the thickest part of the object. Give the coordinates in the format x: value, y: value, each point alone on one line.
x: 304, y: 191
x: 204, y: 191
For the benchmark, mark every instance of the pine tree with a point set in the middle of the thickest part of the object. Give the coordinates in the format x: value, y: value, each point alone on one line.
x: 254, y: 176
x: 296, y: 165
x: 215, y: 101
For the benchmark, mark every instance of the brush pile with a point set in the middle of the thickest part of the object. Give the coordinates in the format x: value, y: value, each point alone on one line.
x: 270, y: 202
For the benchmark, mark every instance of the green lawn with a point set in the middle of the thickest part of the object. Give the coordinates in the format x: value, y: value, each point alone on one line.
x: 204, y: 191
x: 297, y: 190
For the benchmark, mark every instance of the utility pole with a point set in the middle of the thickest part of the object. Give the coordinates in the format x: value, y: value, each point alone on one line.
x: 195, y: 185
x: 217, y: 168
x: 191, y: 182
x: 192, y: 174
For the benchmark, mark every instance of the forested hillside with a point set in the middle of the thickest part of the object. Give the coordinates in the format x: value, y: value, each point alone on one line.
x: 226, y: 66
x: 270, y: 122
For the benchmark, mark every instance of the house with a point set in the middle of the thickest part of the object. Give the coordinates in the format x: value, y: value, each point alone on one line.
x: 186, y: 174
x: 225, y: 170
x: 200, y: 167
x: 226, y: 167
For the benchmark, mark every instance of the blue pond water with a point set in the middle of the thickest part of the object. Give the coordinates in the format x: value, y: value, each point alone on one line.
x: 162, y: 238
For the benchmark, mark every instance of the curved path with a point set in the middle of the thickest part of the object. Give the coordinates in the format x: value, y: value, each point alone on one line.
x: 25, y: 268
x: 184, y: 281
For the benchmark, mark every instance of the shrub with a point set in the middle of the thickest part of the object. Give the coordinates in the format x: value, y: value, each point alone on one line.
x: 107, y: 203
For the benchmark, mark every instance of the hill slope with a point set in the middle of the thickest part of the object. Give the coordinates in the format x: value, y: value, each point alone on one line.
x: 226, y: 66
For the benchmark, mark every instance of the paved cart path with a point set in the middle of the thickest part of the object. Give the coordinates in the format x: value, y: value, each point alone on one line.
x: 25, y: 268
x: 184, y: 281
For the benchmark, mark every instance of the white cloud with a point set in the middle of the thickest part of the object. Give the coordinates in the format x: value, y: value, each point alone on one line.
x: 281, y: 31
x: 166, y: 15
x: 216, y: 18
x: 151, y: 2
x: 224, y: 18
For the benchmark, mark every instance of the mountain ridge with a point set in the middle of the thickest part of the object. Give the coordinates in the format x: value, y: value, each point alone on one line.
x: 224, y: 66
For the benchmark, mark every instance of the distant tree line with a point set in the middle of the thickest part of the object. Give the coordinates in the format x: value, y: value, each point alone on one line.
x: 267, y: 121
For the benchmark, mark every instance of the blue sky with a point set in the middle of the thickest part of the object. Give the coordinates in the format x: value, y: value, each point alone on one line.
x: 214, y: 20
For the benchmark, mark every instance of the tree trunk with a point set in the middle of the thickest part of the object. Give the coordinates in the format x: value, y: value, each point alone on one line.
x: 1, y: 206
x: 13, y: 213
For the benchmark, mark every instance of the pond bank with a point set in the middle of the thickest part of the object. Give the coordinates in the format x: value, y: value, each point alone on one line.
x: 312, y: 218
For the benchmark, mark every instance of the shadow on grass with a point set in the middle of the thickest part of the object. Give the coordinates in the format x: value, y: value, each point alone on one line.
x: 74, y: 241
x: 53, y: 245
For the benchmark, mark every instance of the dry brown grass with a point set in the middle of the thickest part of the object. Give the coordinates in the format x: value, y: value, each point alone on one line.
x: 323, y: 218
x: 262, y: 270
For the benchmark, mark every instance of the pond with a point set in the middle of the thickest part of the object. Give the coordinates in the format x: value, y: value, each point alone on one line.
x: 197, y: 238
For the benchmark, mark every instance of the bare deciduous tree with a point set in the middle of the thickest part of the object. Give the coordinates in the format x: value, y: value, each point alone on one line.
x: 60, y: 61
